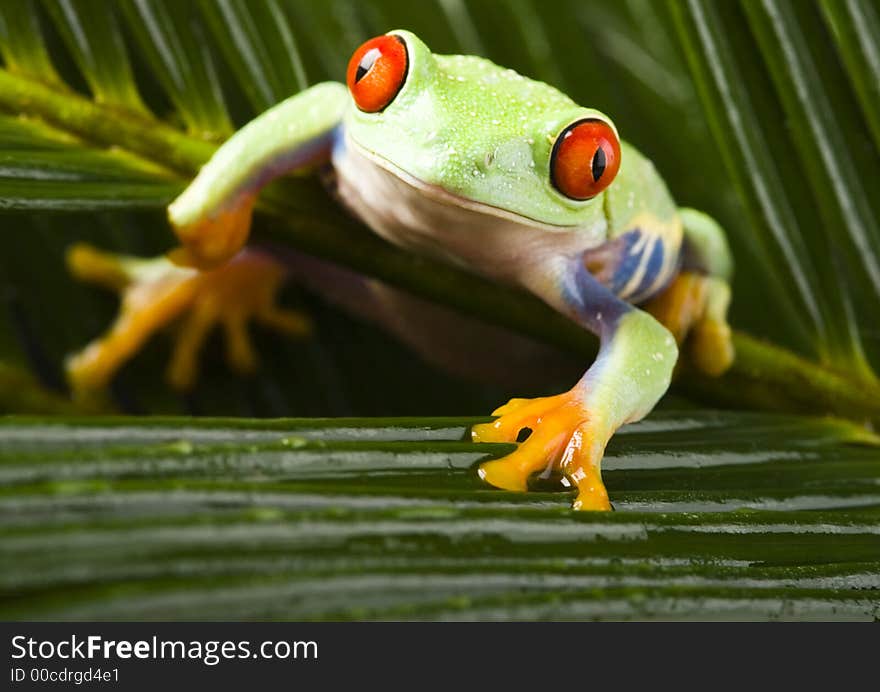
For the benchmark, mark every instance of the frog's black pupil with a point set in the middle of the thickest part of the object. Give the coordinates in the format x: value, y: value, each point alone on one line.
x: 366, y: 63
x: 599, y: 163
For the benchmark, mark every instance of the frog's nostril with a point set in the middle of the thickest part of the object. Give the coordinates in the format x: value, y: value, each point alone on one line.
x: 490, y: 159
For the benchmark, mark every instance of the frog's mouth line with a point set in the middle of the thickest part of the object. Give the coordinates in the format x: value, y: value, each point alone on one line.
x: 439, y: 194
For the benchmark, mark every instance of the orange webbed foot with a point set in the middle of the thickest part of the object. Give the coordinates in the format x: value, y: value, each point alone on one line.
x: 156, y: 293
x: 230, y: 296
x: 565, y: 436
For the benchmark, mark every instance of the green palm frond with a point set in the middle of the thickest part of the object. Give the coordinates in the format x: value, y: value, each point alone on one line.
x: 364, y: 519
x: 855, y: 26
x: 94, y: 40
x: 781, y: 134
x: 45, y: 170
x: 173, y: 47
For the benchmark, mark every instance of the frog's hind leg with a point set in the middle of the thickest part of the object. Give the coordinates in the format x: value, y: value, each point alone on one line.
x: 153, y: 293
x: 694, y: 305
x: 156, y: 293
x: 569, y: 431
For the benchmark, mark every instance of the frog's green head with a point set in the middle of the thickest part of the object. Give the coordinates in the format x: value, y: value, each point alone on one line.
x: 480, y: 132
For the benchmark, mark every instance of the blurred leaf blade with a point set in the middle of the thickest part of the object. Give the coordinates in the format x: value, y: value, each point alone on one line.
x: 846, y: 215
x: 19, y: 393
x: 855, y: 27
x: 21, y: 42
x: 91, y: 32
x: 737, y: 126
x: 260, y: 47
x: 174, y: 47
x: 44, y: 169
x: 462, y: 24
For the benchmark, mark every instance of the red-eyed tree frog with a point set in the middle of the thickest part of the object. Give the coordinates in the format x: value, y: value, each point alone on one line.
x: 458, y: 158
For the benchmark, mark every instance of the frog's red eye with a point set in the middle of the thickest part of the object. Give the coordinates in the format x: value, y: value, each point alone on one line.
x: 585, y: 159
x: 376, y: 72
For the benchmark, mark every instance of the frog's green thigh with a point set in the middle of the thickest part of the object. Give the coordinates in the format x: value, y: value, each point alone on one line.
x: 569, y: 431
x: 694, y: 306
x: 156, y: 292
x: 212, y: 216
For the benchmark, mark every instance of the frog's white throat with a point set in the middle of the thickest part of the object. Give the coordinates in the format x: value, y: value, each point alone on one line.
x: 430, y: 220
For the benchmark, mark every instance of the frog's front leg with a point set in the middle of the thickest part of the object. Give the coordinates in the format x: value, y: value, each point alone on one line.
x: 570, y: 431
x: 212, y: 217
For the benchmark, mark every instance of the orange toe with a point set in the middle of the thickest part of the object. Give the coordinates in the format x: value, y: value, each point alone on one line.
x: 516, y: 415
x: 592, y: 495
x: 565, y: 436
x: 500, y: 473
